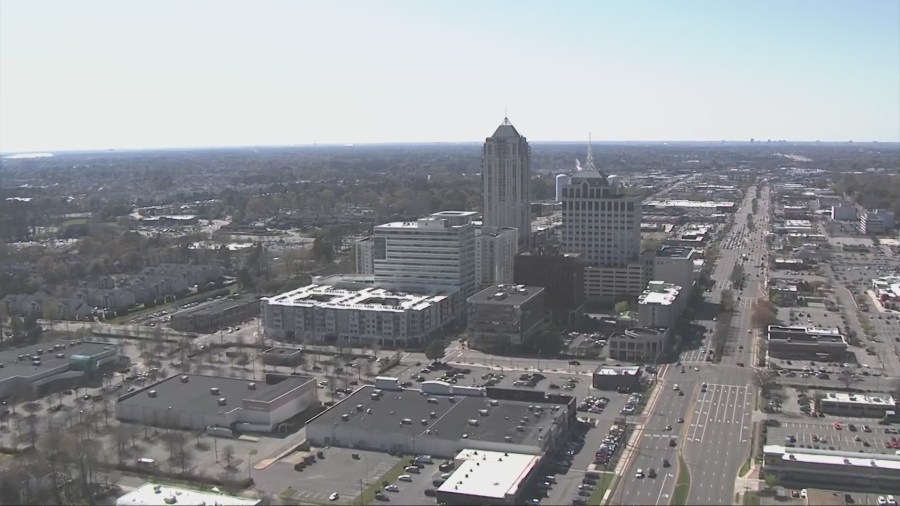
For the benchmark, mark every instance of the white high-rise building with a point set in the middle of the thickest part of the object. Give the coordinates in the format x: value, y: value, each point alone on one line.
x: 506, y: 181
x: 365, y: 260
x: 435, y: 251
x: 604, y: 225
x: 497, y: 248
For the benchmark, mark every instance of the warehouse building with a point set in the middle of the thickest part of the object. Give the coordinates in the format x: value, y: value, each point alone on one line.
x: 486, y: 477
x: 195, y: 401
x: 41, y: 369
x: 211, y: 317
x: 614, y: 378
x: 445, y: 420
x: 832, y: 469
x: 856, y: 405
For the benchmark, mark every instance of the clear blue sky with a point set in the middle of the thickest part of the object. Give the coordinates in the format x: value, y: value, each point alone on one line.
x: 171, y: 73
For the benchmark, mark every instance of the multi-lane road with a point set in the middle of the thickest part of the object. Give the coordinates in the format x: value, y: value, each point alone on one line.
x: 714, y: 439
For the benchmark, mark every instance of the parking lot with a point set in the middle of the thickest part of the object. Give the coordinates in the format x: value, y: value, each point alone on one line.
x: 823, y: 435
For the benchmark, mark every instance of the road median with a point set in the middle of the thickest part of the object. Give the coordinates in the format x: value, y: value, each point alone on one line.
x: 682, y: 484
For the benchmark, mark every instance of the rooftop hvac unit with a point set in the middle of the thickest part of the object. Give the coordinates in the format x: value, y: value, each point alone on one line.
x: 184, y: 379
x: 214, y: 391
x: 152, y: 393
x: 221, y: 401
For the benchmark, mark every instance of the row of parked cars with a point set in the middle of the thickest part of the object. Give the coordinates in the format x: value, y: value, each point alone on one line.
x: 591, y: 404
x: 610, y: 445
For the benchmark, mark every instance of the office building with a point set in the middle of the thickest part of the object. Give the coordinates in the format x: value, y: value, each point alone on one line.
x: 878, y: 221
x: 506, y: 181
x: 357, y: 314
x: 604, y: 225
x: 615, y: 377
x: 639, y: 344
x: 806, y: 343
x: 562, y: 277
x: 497, y: 248
x: 503, y: 317
x: 561, y: 181
x: 660, y: 304
x: 671, y: 264
x: 365, y: 256
x: 437, y: 251
x: 197, y: 401
x: 832, y: 469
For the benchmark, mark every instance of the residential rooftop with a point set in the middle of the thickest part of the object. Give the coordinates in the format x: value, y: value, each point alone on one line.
x: 494, y: 475
x: 369, y: 298
x: 198, y: 393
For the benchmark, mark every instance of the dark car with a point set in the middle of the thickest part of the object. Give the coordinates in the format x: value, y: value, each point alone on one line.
x: 574, y: 362
x: 651, y: 473
x: 666, y: 463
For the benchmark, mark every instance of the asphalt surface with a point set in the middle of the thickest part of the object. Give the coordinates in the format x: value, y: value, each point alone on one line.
x: 715, y: 438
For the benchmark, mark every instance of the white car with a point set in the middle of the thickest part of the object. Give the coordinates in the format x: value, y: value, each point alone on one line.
x: 392, y: 488
x: 639, y: 473
x: 803, y: 494
x: 334, y: 496
x: 404, y: 477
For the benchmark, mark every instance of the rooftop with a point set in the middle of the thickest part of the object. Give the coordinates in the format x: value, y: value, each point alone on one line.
x: 506, y: 294
x: 506, y: 131
x: 835, y: 457
x: 699, y: 204
x: 196, y: 395
x: 659, y: 292
x: 369, y: 298
x: 872, y: 400
x: 151, y: 494
x: 452, y: 416
x: 54, y: 355
x: 630, y: 370
x: 219, y: 306
x: 489, y: 474
x: 674, y: 252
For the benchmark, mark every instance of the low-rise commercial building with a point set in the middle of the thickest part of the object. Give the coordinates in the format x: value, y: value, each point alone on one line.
x: 887, y: 291
x: 488, y: 478
x: 806, y: 343
x: 41, y: 369
x: 639, y: 344
x: 613, y: 378
x: 506, y: 316
x: 856, y: 405
x: 356, y: 314
x: 196, y: 401
x: 833, y: 469
x: 151, y: 494
x: 660, y: 304
x: 217, y: 315
x: 443, y: 419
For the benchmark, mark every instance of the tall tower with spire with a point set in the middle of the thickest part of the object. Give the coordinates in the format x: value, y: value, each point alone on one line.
x: 505, y: 182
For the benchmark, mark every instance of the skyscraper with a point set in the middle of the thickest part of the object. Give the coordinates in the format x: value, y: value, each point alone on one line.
x: 604, y: 225
x: 505, y: 181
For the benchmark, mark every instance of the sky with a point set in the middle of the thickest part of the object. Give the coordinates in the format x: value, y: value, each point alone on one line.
x: 190, y: 73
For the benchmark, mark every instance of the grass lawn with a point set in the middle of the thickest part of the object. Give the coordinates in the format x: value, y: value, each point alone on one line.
x: 602, y: 486
x: 682, y: 483
x: 751, y: 498
x: 368, y: 495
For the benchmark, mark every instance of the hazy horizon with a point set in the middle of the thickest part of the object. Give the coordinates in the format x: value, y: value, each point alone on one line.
x: 99, y: 75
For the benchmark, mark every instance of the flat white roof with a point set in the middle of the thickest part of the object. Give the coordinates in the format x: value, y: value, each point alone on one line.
x: 489, y: 474
x: 688, y: 203
x: 871, y: 400
x: 837, y: 458
x: 344, y: 298
x: 658, y: 292
x: 151, y: 494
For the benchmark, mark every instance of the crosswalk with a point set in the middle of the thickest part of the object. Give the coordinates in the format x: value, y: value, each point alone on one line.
x: 721, y: 408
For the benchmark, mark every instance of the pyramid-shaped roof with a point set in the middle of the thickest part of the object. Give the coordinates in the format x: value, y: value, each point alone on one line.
x: 506, y: 131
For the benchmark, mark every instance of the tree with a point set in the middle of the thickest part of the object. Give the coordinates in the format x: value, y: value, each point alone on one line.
x: 434, y: 350
x: 623, y: 306
x: 771, y: 480
x: 727, y: 301
x: 763, y: 379
x: 737, y: 275
x: 764, y: 313
x: 228, y: 455
x: 847, y: 378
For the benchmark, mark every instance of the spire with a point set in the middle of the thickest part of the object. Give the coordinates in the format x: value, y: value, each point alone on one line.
x: 589, y: 163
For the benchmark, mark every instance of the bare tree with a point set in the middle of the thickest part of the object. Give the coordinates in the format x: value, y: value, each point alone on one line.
x: 847, y: 378
x: 228, y: 455
x: 763, y: 379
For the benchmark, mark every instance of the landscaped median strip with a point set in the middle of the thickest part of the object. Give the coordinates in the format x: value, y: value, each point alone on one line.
x: 601, y: 489
x: 682, y: 484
